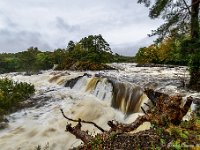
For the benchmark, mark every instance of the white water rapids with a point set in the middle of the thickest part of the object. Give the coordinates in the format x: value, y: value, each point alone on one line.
x: 91, y: 99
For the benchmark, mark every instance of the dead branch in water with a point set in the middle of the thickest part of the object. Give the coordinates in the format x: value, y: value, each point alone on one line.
x: 82, y: 121
x: 121, y: 128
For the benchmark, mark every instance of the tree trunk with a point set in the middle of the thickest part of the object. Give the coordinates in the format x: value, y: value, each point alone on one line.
x: 195, y: 19
x: 194, y: 79
x: 195, y: 62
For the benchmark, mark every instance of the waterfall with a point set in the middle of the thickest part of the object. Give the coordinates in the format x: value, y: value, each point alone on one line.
x: 127, y: 97
x: 124, y: 96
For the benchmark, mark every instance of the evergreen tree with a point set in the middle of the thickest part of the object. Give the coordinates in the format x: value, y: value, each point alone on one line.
x: 71, y: 46
x: 180, y: 16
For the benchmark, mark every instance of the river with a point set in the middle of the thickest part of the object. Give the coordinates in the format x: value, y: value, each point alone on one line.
x: 96, y: 96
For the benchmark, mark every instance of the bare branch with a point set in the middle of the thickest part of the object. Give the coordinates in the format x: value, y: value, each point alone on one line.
x: 147, y: 105
x: 120, y: 128
x: 83, y: 135
x: 188, y: 8
x: 143, y: 111
x: 82, y: 121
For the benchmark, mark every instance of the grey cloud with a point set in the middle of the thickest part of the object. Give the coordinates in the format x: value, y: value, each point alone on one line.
x: 62, y: 25
x: 50, y: 24
x: 10, y: 23
x: 130, y: 49
x: 21, y: 40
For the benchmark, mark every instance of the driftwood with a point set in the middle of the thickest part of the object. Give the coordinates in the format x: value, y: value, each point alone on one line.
x: 165, y: 110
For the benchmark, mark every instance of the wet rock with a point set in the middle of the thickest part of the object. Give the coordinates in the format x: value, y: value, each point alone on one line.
x: 70, y: 83
x: 37, y: 101
x: 156, y: 65
x: 196, y: 101
x: 3, y: 125
x: 5, y: 120
x: 151, y: 85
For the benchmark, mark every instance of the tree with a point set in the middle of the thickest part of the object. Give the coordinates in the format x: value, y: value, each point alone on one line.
x: 70, y: 46
x: 95, y: 49
x: 95, y: 42
x: 43, y: 61
x: 27, y: 59
x: 59, y: 55
x: 147, y: 55
x: 180, y: 16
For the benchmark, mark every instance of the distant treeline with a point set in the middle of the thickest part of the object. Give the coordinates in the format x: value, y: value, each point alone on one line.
x: 92, y: 51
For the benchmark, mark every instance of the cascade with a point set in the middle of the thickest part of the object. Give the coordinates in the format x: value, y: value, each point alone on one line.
x: 124, y: 96
x: 128, y: 97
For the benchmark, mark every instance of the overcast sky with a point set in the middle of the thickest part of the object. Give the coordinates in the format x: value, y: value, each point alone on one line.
x: 50, y: 24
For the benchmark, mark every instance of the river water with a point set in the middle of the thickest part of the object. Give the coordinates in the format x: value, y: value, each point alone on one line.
x: 96, y: 96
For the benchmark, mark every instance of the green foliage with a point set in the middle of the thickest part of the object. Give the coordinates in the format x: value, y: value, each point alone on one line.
x: 158, y: 8
x: 43, y: 61
x: 88, y: 54
x: 32, y: 60
x: 166, y: 52
x: 190, y: 50
x: 147, y: 55
x: 92, y: 51
x: 180, y: 17
x: 12, y: 93
x: 70, y: 46
x: 176, y: 145
x: 176, y: 15
x: 120, y: 58
x: 179, y: 133
x: 95, y: 49
x: 97, y: 143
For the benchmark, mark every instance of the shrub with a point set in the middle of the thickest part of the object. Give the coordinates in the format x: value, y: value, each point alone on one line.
x: 12, y: 93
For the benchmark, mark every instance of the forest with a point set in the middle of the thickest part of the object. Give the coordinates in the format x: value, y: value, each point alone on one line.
x: 90, y: 53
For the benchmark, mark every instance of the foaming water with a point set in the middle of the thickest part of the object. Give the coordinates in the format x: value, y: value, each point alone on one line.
x: 43, y: 125
x: 92, y: 84
x: 128, y: 97
x: 114, y: 95
x: 125, y: 96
